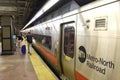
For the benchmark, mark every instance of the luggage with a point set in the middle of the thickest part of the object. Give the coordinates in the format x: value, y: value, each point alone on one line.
x: 23, y: 49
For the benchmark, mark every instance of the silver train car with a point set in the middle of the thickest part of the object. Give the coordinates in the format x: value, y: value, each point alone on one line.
x: 81, y: 43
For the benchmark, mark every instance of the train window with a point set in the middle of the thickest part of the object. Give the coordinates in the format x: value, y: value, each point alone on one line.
x: 46, y: 42
x: 101, y: 23
x: 69, y: 33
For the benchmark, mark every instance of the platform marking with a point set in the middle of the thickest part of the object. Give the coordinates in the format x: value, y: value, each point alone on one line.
x: 42, y: 71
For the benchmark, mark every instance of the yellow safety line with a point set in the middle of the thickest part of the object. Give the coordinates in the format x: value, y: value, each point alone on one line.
x: 42, y: 71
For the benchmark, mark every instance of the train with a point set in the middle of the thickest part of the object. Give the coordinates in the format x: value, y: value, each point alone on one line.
x: 81, y: 42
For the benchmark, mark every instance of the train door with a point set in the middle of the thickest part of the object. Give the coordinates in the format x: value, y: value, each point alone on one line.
x: 67, y: 49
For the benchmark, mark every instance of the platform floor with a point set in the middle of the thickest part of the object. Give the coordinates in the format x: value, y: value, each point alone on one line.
x: 16, y: 67
x: 24, y: 67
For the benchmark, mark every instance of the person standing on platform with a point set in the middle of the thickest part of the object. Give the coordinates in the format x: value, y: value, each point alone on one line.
x: 29, y: 40
x: 19, y: 39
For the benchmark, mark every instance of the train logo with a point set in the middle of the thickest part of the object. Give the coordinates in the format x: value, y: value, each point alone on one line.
x: 82, y: 56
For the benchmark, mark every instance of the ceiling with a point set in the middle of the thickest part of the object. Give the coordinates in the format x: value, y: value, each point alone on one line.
x: 21, y: 10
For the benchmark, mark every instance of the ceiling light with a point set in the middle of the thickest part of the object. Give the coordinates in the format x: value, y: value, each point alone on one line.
x: 47, y: 6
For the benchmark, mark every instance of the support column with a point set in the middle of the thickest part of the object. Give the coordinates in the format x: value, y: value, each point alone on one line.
x: 6, y: 35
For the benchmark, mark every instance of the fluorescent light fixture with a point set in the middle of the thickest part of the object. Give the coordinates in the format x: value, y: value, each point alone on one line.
x: 47, y: 6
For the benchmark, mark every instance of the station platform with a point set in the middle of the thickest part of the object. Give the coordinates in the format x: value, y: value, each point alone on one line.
x: 24, y: 67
